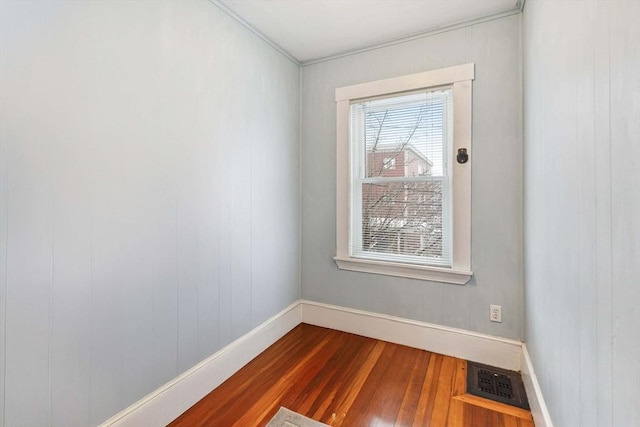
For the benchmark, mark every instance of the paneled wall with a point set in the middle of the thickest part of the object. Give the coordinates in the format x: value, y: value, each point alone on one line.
x: 497, y: 258
x: 582, y: 207
x: 149, y: 207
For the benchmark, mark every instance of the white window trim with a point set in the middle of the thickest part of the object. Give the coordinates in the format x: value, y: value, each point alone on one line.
x: 460, y: 78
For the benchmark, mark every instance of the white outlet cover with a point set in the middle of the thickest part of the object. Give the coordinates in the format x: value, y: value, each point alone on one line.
x: 495, y: 313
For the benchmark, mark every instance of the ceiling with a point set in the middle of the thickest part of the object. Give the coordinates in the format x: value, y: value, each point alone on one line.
x: 309, y: 30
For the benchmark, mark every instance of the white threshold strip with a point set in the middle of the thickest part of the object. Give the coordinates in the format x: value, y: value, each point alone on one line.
x: 172, y: 399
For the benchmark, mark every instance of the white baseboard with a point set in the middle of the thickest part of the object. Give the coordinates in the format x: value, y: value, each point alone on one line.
x: 494, y: 351
x: 172, y: 399
x: 539, y: 409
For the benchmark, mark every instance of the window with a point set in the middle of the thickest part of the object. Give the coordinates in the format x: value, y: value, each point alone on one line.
x: 389, y: 163
x: 404, y: 202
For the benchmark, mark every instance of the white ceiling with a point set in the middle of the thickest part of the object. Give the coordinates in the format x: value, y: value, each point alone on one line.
x: 313, y: 29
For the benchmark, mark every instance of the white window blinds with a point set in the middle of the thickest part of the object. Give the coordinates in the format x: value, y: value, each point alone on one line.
x: 400, y: 208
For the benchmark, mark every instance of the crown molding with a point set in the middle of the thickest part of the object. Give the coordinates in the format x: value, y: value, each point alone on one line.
x: 248, y: 26
x: 520, y: 4
x: 516, y: 10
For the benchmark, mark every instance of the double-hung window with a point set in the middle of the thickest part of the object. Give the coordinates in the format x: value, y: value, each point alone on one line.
x: 404, y: 176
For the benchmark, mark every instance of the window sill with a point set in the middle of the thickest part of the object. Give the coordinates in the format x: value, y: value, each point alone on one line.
x: 435, y: 274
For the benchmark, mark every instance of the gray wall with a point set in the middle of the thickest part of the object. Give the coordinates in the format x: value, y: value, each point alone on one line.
x: 497, y: 182
x: 582, y: 215
x: 149, y: 199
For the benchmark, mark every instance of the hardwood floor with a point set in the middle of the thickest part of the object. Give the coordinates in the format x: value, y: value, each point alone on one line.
x: 343, y: 379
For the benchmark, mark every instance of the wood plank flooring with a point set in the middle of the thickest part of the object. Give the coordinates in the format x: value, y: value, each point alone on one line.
x: 343, y: 379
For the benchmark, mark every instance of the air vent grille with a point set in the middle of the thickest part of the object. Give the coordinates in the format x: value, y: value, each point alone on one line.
x: 496, y: 384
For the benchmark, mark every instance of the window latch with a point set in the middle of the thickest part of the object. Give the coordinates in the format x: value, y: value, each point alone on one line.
x: 462, y: 156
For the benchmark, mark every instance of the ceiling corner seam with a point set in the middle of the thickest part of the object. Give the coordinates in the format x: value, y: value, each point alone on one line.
x: 251, y: 28
x: 517, y: 9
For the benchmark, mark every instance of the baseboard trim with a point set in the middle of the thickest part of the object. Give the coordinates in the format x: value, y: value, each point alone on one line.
x: 539, y: 409
x: 494, y: 351
x: 172, y: 399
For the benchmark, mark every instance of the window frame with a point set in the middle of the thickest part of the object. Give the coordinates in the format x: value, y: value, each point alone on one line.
x: 460, y: 79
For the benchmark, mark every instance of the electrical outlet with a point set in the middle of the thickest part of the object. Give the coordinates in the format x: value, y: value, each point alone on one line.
x: 495, y: 313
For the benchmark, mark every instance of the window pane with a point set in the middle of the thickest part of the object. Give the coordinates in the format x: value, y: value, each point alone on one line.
x: 405, y: 136
x: 402, y: 206
x: 404, y: 218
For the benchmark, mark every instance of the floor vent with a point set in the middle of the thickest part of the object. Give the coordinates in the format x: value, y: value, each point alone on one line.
x: 496, y: 384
